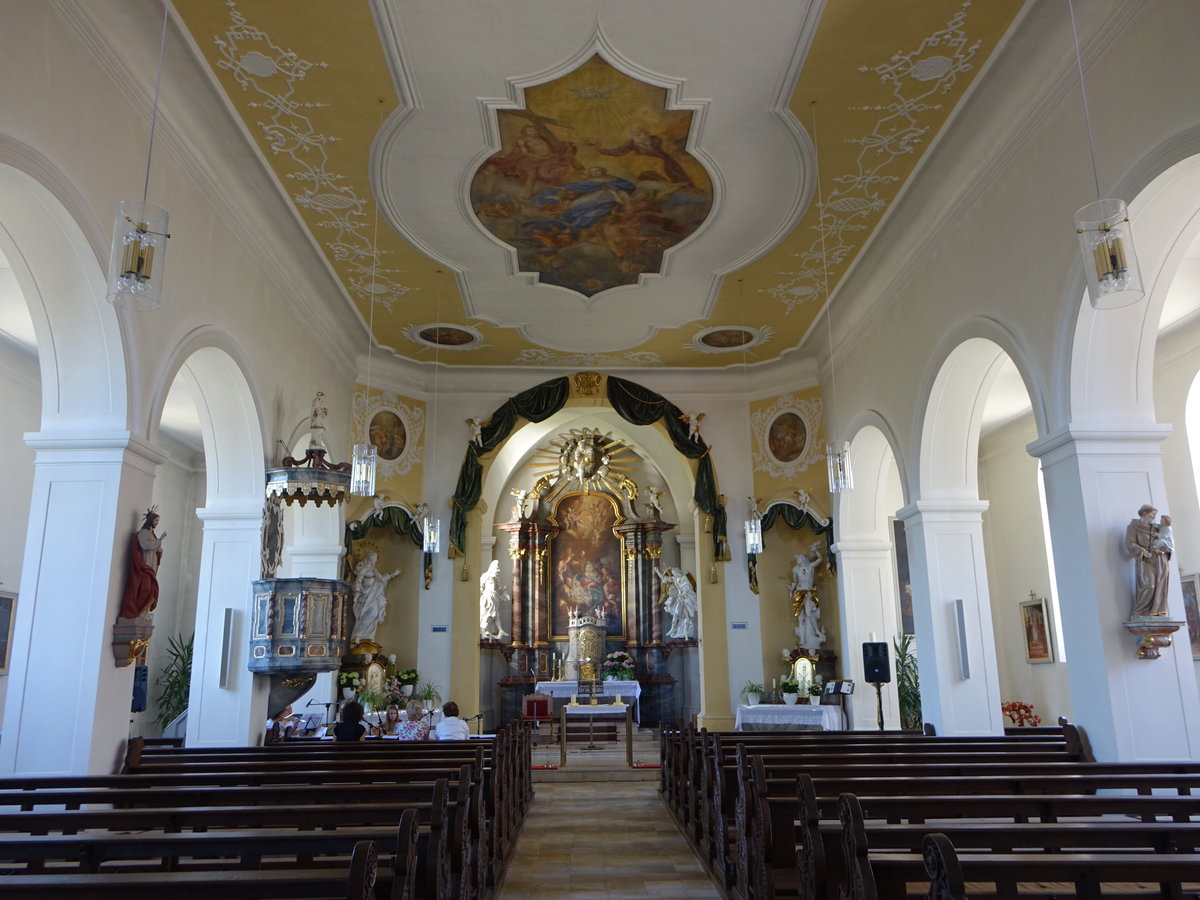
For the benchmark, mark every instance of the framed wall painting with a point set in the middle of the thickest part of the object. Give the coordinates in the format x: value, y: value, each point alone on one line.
x: 1191, y: 590
x: 1035, y: 626
x: 903, y: 579
x: 8, y: 603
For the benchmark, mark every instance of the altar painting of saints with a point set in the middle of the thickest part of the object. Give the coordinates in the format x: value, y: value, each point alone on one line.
x: 585, y: 570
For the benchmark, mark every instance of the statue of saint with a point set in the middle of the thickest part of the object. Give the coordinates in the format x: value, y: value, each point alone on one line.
x: 370, y: 600
x: 491, y: 593
x: 316, y: 423
x: 145, y: 553
x: 1151, y: 552
x: 806, y: 606
x: 681, y: 602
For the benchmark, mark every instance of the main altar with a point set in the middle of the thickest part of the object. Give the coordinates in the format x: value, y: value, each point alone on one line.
x: 586, y: 545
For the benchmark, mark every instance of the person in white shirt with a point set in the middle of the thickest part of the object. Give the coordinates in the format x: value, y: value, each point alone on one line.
x: 451, y: 728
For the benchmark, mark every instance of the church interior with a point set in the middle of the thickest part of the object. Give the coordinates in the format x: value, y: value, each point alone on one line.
x: 698, y: 339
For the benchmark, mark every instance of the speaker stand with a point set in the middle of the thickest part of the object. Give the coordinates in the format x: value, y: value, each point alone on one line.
x: 879, y: 702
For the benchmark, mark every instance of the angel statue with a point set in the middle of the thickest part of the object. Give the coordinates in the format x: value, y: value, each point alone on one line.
x: 316, y: 423
x: 654, y: 500
x: 475, y: 423
x: 693, y: 423
x: 680, y: 602
x: 491, y: 595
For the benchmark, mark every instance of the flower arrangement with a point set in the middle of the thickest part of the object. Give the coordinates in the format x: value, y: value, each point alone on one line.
x: 815, y: 688
x: 408, y: 676
x: 618, y: 665
x: 1020, y: 714
x: 352, y: 680
x: 789, y: 686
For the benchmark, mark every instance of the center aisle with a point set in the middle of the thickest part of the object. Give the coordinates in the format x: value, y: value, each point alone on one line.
x: 601, y: 839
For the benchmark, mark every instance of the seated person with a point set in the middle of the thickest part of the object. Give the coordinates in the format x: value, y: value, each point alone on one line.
x: 282, y: 726
x: 350, y: 728
x: 452, y: 728
x: 391, y: 720
x: 415, y: 728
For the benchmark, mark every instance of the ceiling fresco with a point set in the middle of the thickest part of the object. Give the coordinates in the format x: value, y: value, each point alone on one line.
x: 595, y: 184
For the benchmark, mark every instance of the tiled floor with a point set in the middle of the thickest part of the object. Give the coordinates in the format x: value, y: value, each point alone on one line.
x: 602, y: 839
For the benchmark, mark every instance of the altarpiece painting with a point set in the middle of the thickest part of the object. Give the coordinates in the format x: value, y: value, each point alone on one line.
x: 586, y: 563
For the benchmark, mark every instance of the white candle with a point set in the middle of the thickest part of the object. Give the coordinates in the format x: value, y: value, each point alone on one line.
x: 872, y: 637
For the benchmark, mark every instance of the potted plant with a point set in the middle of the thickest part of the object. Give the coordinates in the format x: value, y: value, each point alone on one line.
x: 790, y: 688
x: 908, y: 683
x: 753, y: 691
x: 814, y: 691
x: 407, y: 679
x: 618, y: 666
x: 349, y: 682
x: 175, y: 681
x: 370, y: 700
x: 429, y: 694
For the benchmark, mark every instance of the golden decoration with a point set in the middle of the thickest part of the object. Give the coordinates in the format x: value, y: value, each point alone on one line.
x: 136, y: 647
x: 516, y: 553
x: 654, y: 551
x: 588, y: 383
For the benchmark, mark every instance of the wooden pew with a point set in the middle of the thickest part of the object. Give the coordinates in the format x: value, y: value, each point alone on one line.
x: 948, y: 872
x: 358, y: 883
x: 1002, y: 824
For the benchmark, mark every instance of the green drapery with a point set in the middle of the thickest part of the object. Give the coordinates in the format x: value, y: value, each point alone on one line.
x: 640, y: 406
x: 395, y: 517
x: 795, y: 519
x: 536, y: 404
x: 632, y: 402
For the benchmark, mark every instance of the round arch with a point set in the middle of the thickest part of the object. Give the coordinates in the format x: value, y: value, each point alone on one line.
x: 50, y: 239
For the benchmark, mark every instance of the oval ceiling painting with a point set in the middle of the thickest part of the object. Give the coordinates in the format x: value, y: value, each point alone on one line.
x: 592, y: 183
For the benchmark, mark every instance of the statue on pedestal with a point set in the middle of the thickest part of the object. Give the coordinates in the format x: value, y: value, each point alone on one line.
x: 370, y: 600
x: 680, y: 602
x: 1151, y: 545
x: 806, y: 606
x: 145, y: 553
x: 491, y: 597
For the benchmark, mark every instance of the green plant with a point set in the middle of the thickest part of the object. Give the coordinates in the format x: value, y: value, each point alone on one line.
x: 370, y: 698
x: 430, y: 694
x: 908, y: 682
x: 352, y: 680
x: 789, y: 686
x: 408, y: 676
x: 175, y: 681
x: 752, y: 687
x: 815, y: 689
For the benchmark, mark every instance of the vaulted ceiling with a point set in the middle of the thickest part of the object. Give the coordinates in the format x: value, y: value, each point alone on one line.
x: 595, y: 182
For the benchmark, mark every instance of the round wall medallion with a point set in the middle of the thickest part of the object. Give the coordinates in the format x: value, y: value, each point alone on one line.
x: 787, y: 437
x: 388, y: 434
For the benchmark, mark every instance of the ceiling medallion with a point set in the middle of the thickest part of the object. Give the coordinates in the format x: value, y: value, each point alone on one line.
x: 729, y: 338
x: 592, y: 183
x: 445, y: 337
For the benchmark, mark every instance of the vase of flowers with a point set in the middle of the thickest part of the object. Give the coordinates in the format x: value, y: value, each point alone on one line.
x: 350, y: 683
x: 618, y: 666
x: 1021, y: 714
x: 406, y: 681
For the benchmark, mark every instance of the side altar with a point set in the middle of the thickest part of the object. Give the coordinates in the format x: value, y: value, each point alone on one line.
x: 586, y: 583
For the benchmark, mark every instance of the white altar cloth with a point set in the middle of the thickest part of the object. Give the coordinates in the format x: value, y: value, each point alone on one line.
x: 780, y: 717
x: 564, y: 690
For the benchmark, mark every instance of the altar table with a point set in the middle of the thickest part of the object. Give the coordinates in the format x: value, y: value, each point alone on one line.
x: 780, y: 717
x: 598, y: 711
x: 564, y: 689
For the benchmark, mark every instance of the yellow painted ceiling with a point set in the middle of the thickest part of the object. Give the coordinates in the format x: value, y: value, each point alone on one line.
x: 312, y: 84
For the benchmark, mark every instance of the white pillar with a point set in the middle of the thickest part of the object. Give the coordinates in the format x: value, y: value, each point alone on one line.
x: 1132, y: 709
x: 67, y: 707
x: 956, y: 654
x: 869, y: 612
x: 230, y: 560
x: 313, y: 541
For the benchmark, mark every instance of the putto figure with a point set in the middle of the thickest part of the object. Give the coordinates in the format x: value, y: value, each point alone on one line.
x: 1151, y: 551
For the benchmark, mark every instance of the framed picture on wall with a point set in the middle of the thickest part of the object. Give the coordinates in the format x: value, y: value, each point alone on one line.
x: 8, y: 603
x: 903, y: 581
x: 1035, y: 625
x: 1191, y: 589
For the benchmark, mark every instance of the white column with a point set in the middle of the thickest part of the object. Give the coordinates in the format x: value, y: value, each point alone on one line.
x: 67, y: 707
x: 230, y: 560
x: 869, y: 613
x: 956, y: 657
x: 313, y: 538
x: 1132, y: 709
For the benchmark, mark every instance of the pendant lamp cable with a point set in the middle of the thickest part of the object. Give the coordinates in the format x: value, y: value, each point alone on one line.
x: 825, y: 273
x: 1087, y: 119
x: 162, y: 46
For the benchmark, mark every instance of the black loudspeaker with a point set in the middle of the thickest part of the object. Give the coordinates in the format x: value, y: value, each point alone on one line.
x: 876, y: 669
x: 140, y: 677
